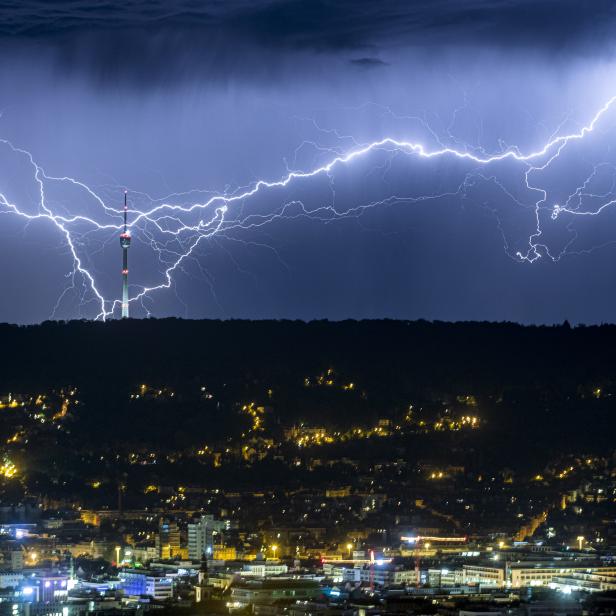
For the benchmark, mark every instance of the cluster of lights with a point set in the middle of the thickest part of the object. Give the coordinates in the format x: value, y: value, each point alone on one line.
x: 63, y: 410
x: 568, y: 470
x: 256, y: 414
x: 249, y: 452
x: 11, y: 403
x: 320, y: 436
x: 40, y: 409
x: 206, y: 394
x: 327, y: 379
x: 468, y: 400
x: 563, y: 474
x: 152, y: 392
x: 308, y: 436
x: 8, y: 469
x: 176, y: 498
x: 16, y: 438
x: 149, y: 391
x: 143, y: 459
x: 466, y: 421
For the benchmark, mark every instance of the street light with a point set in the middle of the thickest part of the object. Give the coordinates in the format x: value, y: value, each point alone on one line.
x: 580, y: 541
x: 274, y: 548
x: 349, y: 548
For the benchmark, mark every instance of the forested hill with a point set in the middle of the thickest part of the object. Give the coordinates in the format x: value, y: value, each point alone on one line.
x: 412, y: 358
x: 555, y: 385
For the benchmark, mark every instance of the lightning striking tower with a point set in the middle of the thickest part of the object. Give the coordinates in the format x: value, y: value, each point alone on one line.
x: 175, y: 230
x: 125, y: 243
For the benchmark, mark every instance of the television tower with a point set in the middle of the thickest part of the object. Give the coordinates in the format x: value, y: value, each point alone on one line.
x: 125, y: 243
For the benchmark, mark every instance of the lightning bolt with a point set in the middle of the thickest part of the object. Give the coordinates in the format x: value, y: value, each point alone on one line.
x: 174, y: 227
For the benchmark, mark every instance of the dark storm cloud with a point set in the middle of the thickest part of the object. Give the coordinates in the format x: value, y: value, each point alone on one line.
x: 323, y: 23
x: 368, y: 62
x: 337, y: 24
x: 147, y: 37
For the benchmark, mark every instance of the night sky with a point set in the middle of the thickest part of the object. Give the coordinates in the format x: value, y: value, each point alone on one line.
x: 181, y: 102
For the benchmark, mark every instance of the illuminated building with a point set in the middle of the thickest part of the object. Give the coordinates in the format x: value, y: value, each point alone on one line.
x: 380, y: 574
x: 168, y: 539
x: 201, y: 536
x: 387, y: 575
x: 484, y: 575
x: 10, y: 579
x: 125, y: 243
x: 263, y: 569
x: 268, y: 592
x: 520, y: 575
x: 224, y: 553
x: 443, y: 578
x: 137, y: 583
x: 45, y: 588
x: 341, y: 492
x: 17, y: 560
x: 542, y: 574
x: 587, y: 582
x: 90, y: 517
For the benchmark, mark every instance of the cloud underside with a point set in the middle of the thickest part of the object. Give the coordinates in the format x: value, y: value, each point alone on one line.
x: 139, y: 33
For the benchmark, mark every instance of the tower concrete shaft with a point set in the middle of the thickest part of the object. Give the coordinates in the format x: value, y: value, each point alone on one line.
x: 125, y: 243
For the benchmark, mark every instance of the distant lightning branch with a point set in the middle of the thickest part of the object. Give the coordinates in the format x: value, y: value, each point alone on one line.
x: 174, y: 231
